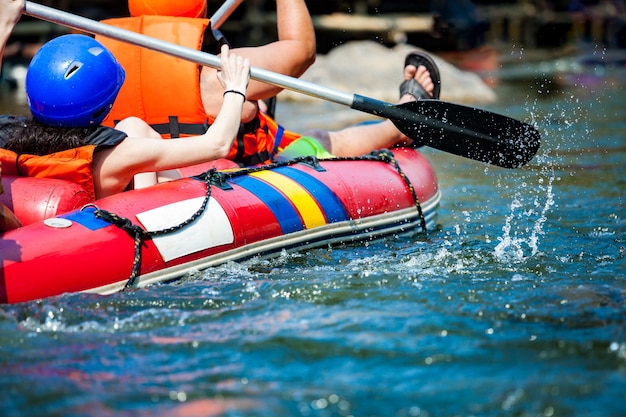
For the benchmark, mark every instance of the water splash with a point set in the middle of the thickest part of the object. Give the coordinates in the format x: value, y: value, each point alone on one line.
x: 564, y: 124
x: 517, y: 245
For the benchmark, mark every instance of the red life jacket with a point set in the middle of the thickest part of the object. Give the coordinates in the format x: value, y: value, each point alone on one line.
x: 73, y: 165
x: 165, y: 91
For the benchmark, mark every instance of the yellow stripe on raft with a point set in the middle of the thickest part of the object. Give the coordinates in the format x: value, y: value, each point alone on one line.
x: 308, y: 208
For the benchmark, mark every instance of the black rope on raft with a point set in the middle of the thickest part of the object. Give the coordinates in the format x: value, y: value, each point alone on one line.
x: 140, y: 235
x: 386, y: 155
x: 218, y: 178
x: 383, y: 155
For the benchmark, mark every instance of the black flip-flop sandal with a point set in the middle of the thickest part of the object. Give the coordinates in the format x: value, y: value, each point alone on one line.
x: 414, y: 88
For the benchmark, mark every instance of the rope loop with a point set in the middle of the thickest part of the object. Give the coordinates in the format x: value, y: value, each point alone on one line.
x: 385, y: 155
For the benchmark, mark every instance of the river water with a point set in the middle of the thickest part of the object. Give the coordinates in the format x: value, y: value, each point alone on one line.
x: 514, y: 306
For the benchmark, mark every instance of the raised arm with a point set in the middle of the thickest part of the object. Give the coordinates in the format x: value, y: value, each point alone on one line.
x: 291, y: 54
x: 114, y: 168
x: 10, y: 13
x: 294, y: 51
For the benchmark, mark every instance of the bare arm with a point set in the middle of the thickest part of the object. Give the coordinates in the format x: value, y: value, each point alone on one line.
x: 10, y: 13
x: 292, y: 54
x: 114, y: 168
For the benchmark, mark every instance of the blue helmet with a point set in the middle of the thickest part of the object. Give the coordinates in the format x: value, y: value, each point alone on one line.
x: 72, y: 81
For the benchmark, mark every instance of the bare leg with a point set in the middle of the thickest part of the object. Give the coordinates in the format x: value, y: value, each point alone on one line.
x: 362, y: 139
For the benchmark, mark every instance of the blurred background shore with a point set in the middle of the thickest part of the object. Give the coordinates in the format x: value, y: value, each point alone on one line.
x: 435, y: 24
x: 362, y: 43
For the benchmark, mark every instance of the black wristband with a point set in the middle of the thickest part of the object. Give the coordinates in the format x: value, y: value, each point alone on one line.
x: 236, y: 92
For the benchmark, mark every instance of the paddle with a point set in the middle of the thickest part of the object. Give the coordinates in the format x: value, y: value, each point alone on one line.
x: 223, y: 12
x: 477, y: 134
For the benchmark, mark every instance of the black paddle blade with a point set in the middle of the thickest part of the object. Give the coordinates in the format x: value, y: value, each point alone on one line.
x: 466, y: 131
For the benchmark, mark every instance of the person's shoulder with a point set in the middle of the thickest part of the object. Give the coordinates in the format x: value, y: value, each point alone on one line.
x: 106, y: 136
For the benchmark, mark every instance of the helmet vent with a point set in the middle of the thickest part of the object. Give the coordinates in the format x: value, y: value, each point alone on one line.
x: 95, y: 50
x: 75, y: 66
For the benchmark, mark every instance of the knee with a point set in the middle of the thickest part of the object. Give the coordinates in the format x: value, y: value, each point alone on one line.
x: 304, y: 146
x: 323, y: 137
x: 136, y: 127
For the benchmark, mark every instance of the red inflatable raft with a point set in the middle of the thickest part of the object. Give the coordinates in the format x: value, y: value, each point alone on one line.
x: 69, y: 243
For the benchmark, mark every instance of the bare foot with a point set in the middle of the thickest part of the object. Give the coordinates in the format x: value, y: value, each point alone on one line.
x: 422, y: 76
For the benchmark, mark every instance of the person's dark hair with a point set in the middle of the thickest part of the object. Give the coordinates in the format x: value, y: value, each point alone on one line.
x: 27, y: 136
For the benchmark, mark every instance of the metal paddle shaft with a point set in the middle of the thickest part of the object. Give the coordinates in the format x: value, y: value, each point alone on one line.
x: 477, y: 134
x: 91, y: 26
x: 221, y: 14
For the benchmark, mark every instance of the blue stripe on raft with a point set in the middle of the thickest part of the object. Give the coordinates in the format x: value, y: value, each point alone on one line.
x: 331, y: 205
x: 86, y: 218
x: 281, y: 207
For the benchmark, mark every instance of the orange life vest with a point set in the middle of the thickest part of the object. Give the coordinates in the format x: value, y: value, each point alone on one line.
x: 262, y: 138
x: 165, y: 91
x: 158, y: 86
x: 73, y: 165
